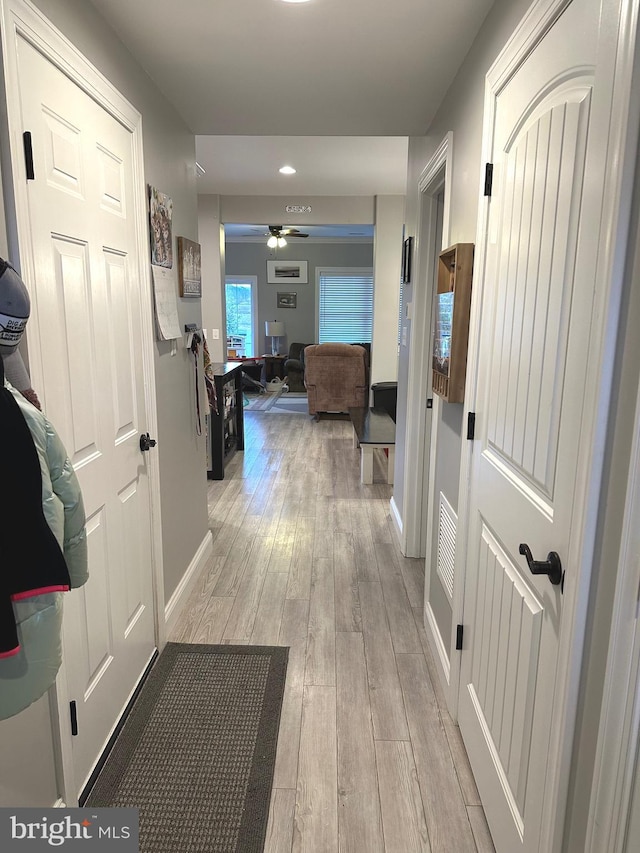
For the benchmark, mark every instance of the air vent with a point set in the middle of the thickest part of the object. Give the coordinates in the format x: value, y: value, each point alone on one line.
x: 447, y: 521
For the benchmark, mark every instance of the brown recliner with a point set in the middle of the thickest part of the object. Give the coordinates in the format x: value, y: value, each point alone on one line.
x: 336, y: 376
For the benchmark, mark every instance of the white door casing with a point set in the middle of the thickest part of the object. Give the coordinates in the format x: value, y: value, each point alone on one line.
x: 413, y: 529
x: 546, y: 295
x: 80, y: 230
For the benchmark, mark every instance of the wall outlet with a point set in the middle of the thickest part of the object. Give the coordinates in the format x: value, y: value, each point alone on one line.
x: 215, y: 334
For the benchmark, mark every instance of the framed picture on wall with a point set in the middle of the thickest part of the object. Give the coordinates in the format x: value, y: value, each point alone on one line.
x: 287, y: 300
x: 189, y: 274
x: 279, y: 271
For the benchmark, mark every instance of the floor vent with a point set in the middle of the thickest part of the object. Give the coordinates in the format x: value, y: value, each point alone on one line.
x: 447, y: 522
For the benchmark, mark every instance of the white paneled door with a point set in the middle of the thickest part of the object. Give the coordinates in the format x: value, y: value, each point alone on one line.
x: 86, y: 306
x: 536, y: 321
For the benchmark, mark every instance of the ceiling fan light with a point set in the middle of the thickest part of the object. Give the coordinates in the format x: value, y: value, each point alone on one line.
x: 287, y: 170
x: 281, y: 242
x: 272, y: 242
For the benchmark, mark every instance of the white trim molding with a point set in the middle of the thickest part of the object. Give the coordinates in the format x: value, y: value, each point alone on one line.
x: 181, y: 594
x: 438, y: 645
x: 419, y: 420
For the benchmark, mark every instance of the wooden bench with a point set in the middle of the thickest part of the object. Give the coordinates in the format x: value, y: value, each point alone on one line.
x: 373, y: 428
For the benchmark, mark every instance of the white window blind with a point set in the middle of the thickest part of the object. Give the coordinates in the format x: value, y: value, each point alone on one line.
x: 345, y: 311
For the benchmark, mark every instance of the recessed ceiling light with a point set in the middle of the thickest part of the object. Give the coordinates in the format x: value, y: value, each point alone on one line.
x: 288, y: 170
x: 295, y: 1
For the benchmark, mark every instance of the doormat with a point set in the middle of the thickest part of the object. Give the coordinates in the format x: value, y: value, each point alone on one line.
x: 197, y: 752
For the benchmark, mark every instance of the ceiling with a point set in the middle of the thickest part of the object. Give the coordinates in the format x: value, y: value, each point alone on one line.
x: 332, y: 87
x: 326, y: 165
x: 322, y: 68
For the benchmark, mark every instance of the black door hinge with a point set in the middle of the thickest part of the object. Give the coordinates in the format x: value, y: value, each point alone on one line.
x: 429, y: 402
x: 488, y: 178
x: 459, y: 636
x: 74, y: 717
x: 471, y: 426
x: 28, y: 155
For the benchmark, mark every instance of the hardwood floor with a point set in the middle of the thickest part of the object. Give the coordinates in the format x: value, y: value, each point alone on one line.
x: 304, y: 555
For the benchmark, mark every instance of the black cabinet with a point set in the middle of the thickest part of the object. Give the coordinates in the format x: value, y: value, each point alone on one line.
x: 226, y: 426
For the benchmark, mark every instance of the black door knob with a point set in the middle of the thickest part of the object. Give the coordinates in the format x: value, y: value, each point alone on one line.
x: 552, y: 567
x: 146, y: 442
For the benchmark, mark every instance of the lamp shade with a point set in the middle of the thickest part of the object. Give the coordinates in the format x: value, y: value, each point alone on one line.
x: 274, y: 328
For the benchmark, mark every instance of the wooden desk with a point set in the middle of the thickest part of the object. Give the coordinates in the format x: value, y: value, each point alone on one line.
x: 373, y: 428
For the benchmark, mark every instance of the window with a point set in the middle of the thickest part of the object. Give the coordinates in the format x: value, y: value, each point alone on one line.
x: 345, y: 305
x: 241, y: 310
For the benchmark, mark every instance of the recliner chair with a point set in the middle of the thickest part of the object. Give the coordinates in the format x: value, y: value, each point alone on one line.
x: 336, y: 376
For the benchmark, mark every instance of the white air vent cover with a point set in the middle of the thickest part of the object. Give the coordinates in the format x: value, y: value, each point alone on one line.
x: 447, y: 521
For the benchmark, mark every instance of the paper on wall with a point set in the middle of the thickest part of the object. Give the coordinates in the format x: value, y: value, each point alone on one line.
x: 166, y: 301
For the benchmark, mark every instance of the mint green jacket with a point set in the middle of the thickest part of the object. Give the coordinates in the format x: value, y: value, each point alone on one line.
x: 26, y: 676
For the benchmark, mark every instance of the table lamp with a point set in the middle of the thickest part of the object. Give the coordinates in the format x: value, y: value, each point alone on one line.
x: 274, y: 329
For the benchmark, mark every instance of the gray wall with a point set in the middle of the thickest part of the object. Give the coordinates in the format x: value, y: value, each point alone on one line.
x: 300, y: 322
x: 169, y: 164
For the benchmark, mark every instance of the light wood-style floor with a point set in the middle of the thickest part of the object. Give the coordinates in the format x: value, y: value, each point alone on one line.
x: 305, y: 556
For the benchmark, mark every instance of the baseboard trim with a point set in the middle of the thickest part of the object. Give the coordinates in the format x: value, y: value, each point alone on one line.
x: 438, y: 646
x: 181, y: 594
x: 398, y: 525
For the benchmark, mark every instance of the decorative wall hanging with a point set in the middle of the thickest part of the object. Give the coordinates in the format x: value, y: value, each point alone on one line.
x: 189, y: 274
x: 160, y: 213
x: 287, y: 300
x: 279, y: 271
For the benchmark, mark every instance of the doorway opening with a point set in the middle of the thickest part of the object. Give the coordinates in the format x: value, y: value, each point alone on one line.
x: 241, y: 315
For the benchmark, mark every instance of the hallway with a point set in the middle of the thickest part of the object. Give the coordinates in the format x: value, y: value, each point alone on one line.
x: 304, y: 556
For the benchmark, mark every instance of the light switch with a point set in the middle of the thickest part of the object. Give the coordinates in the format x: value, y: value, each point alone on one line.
x: 215, y: 334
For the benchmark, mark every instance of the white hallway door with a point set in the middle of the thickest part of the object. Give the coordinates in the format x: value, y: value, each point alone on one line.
x: 536, y: 321
x: 86, y: 310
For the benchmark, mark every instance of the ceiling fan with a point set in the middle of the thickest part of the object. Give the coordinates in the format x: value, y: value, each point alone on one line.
x: 279, y: 231
x: 277, y: 235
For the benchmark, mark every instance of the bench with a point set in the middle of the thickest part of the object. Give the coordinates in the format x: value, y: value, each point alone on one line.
x: 373, y: 428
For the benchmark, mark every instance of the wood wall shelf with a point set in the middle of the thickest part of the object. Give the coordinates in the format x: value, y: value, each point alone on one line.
x: 451, y: 333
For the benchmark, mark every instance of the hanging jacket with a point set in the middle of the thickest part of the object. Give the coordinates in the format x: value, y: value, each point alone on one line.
x: 42, y: 552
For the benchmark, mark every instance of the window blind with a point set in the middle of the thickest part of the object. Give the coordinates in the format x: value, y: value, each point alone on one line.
x: 345, y: 313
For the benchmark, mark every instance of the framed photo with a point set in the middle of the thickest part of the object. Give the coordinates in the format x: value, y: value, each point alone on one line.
x: 287, y: 300
x: 160, y: 213
x: 406, y: 260
x: 189, y: 274
x: 279, y: 271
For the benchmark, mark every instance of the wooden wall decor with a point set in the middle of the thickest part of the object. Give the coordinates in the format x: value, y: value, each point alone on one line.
x: 451, y: 333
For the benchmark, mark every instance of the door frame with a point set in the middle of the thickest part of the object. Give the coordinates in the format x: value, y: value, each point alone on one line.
x: 21, y: 19
x: 251, y: 280
x: 619, y: 50
x: 417, y: 462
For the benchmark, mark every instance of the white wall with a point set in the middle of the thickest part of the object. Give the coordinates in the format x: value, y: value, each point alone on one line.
x: 270, y: 210
x: 211, y: 239
x: 387, y: 262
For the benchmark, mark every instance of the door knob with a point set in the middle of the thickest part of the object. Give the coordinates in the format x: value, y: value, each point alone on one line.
x: 552, y: 567
x: 146, y: 442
